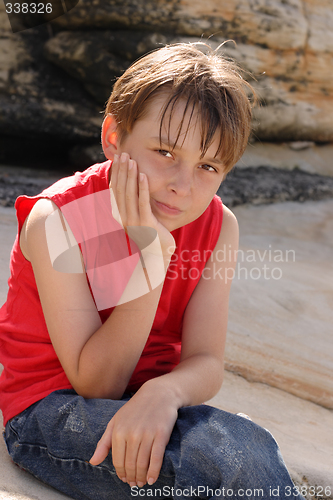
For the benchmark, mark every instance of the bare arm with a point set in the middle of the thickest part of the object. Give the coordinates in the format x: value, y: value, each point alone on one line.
x: 97, y: 359
x: 145, y: 423
x: 199, y: 375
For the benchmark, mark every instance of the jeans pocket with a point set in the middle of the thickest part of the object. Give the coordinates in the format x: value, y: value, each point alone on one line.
x: 14, y: 430
x: 16, y: 425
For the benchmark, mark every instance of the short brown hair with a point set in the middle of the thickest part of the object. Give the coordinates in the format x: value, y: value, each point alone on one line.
x: 206, y: 80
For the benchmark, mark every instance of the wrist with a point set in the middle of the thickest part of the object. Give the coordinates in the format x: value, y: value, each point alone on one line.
x: 161, y: 388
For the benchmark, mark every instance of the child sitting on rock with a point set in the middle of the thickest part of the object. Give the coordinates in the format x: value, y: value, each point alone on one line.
x: 114, y: 328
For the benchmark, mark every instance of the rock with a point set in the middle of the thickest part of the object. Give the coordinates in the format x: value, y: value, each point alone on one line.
x: 294, y: 88
x: 17, y: 181
x: 8, y: 226
x: 75, y: 52
x: 294, y: 106
x: 273, y: 338
x: 285, y: 115
x: 300, y: 428
x: 37, y: 100
x: 255, y: 185
x: 49, y: 119
x: 278, y: 24
x: 315, y: 159
x: 320, y: 18
x: 5, y: 28
x: 301, y: 145
x: 261, y: 184
x: 84, y: 157
x: 118, y: 14
x: 87, y: 57
x: 281, y: 314
x: 55, y: 79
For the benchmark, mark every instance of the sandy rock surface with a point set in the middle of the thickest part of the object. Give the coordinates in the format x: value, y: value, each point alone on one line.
x: 281, y: 314
x: 279, y: 338
x: 304, y: 155
x: 306, y: 447
x: 301, y: 428
x: 8, y: 230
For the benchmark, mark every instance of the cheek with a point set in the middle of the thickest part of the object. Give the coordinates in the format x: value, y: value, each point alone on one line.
x: 156, y: 179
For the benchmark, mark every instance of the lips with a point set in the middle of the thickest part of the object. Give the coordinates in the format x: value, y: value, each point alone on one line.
x: 164, y: 207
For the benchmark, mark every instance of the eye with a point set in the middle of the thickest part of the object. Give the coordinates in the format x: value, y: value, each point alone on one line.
x: 165, y: 153
x: 208, y: 168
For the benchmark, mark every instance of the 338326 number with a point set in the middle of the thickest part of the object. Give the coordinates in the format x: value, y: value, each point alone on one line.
x: 28, y: 8
x: 312, y: 491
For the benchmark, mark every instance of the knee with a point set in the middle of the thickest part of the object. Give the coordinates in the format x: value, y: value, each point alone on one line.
x: 211, y: 433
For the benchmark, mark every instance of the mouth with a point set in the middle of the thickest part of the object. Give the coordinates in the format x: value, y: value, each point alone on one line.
x: 167, y: 209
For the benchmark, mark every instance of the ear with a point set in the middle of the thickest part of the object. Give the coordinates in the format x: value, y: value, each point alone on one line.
x: 109, y: 136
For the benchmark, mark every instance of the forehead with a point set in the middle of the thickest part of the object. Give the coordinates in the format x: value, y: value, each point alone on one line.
x: 177, y: 119
x: 161, y: 108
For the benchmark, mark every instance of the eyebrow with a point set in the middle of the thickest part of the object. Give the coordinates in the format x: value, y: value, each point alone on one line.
x: 166, y: 142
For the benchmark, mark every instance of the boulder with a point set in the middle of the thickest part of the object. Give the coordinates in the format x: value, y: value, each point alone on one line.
x: 41, y: 106
x: 293, y: 78
x: 258, y: 185
x: 302, y: 155
x: 281, y: 315
x: 299, y: 427
x: 281, y: 331
x: 55, y: 79
x: 279, y: 24
x: 96, y: 58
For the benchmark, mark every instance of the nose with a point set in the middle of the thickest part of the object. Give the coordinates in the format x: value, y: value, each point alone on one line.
x: 181, y: 179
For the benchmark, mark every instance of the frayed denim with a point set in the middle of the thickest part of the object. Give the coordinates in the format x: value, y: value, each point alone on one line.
x: 211, y: 454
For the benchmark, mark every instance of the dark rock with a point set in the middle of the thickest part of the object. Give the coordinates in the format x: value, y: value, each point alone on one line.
x: 54, y: 83
x: 259, y: 185
x: 82, y: 157
x: 87, y: 57
x: 42, y: 101
x: 17, y: 181
x: 242, y: 185
x: 97, y: 58
x: 150, y: 15
x: 60, y: 120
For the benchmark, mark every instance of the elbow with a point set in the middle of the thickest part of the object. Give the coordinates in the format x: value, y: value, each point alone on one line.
x: 88, y: 393
x: 99, y: 390
x: 217, y: 375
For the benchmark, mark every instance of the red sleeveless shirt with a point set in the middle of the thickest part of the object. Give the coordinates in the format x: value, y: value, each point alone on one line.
x: 31, y: 367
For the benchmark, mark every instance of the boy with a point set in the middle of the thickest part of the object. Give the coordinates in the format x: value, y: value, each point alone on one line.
x: 114, y: 329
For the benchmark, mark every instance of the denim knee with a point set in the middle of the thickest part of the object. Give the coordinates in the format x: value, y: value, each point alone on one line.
x: 224, y: 451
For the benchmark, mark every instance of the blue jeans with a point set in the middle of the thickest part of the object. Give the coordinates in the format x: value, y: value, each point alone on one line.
x: 211, y: 453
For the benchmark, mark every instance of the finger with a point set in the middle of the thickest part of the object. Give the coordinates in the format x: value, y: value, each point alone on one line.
x: 132, y: 200
x: 144, y: 201
x: 132, y: 448
x: 114, y: 171
x: 113, y: 183
x: 103, y: 446
x: 156, y: 460
x: 120, y: 188
x: 119, y: 447
x: 142, y: 462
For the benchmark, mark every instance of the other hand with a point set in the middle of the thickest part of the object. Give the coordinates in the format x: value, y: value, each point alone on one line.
x: 138, y: 435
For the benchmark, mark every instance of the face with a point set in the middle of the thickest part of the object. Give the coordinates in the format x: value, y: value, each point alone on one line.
x: 181, y: 184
